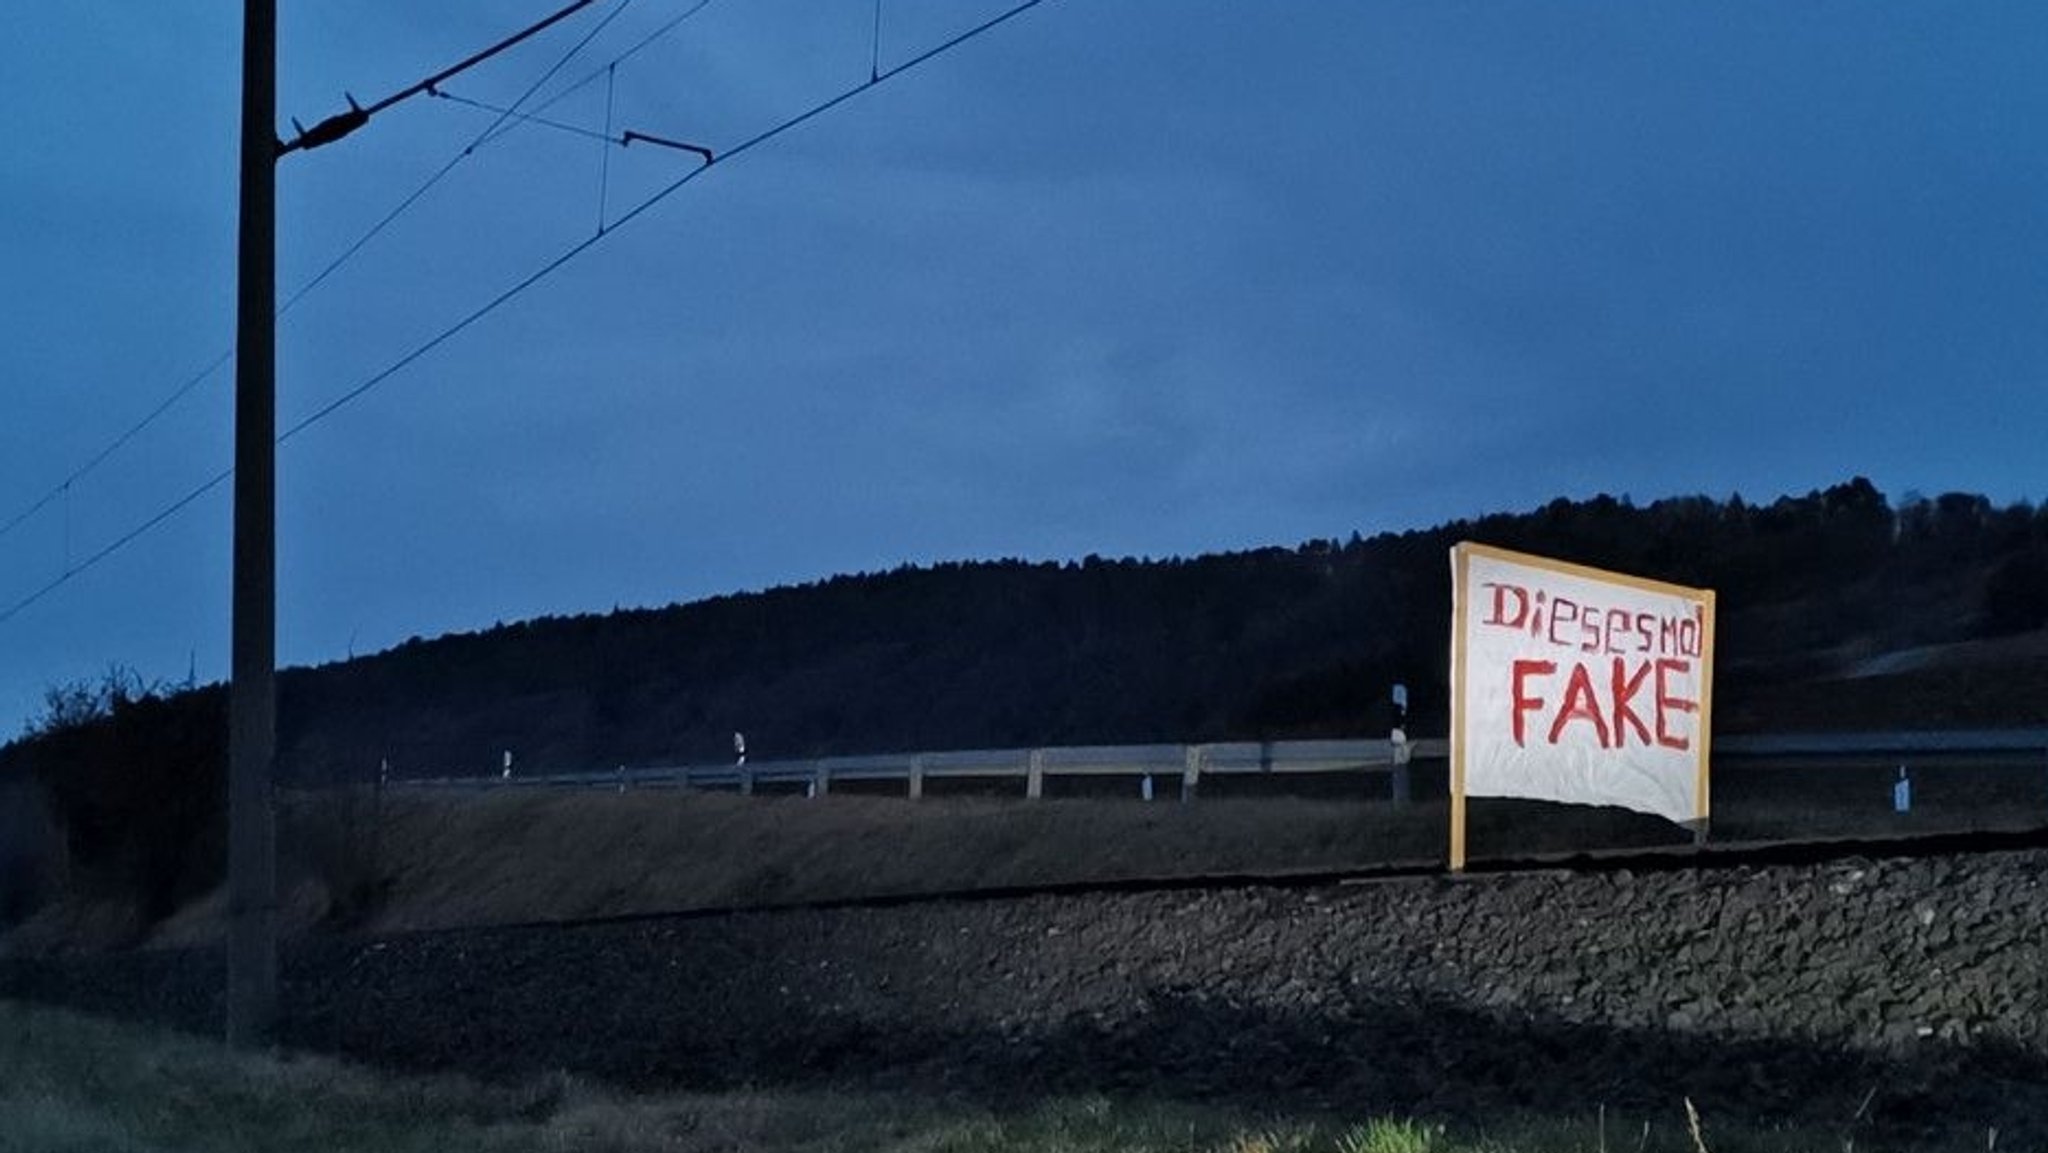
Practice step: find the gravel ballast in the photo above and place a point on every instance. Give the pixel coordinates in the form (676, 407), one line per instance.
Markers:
(1911, 990)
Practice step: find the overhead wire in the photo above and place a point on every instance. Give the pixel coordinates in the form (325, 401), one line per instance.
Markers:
(118, 543)
(63, 487)
(875, 45)
(639, 46)
(526, 117)
(662, 194)
(604, 175)
(623, 139)
(496, 130)
(520, 287)
(474, 59)
(481, 138)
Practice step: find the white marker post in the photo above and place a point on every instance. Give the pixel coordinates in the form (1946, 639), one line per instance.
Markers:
(1397, 739)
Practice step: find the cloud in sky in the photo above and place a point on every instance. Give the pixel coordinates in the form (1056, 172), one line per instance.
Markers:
(1125, 276)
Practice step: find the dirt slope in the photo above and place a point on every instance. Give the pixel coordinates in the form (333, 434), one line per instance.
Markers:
(415, 859)
(1758, 992)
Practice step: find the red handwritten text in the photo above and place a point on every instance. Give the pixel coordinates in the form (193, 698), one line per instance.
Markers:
(1590, 628)
(1636, 698)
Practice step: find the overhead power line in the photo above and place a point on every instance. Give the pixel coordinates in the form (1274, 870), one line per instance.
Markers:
(604, 174)
(623, 139)
(342, 123)
(486, 136)
(508, 118)
(875, 45)
(579, 248)
(638, 46)
(506, 113)
(77, 474)
(517, 289)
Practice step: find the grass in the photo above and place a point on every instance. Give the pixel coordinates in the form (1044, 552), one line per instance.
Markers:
(77, 1084)
(419, 859)
(427, 859)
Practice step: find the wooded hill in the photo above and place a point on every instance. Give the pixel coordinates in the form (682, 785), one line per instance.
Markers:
(1277, 642)
(1272, 643)
(1837, 610)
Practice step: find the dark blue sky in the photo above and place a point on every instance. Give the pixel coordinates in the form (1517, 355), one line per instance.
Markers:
(1121, 277)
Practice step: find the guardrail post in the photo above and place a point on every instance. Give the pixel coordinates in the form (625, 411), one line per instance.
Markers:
(1034, 776)
(1191, 775)
(1397, 741)
(746, 781)
(682, 778)
(821, 777)
(916, 778)
(622, 778)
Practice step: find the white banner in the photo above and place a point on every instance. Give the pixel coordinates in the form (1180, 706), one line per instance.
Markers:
(1573, 684)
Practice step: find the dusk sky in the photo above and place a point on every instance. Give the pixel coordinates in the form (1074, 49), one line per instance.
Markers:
(1119, 277)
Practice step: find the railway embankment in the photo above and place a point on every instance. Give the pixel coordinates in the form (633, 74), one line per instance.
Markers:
(1906, 994)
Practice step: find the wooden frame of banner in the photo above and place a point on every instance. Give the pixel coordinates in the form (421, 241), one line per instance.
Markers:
(1461, 554)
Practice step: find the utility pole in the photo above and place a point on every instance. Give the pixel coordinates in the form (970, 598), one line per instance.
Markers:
(252, 693)
(252, 697)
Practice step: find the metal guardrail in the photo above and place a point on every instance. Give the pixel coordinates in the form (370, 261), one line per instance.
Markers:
(1935, 742)
(1188, 764)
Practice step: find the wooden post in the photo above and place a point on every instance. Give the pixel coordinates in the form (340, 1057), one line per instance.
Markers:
(1458, 817)
(1191, 775)
(1034, 776)
(1704, 784)
(917, 778)
(1461, 560)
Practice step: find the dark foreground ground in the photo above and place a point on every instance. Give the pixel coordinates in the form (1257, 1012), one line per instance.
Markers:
(1910, 992)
